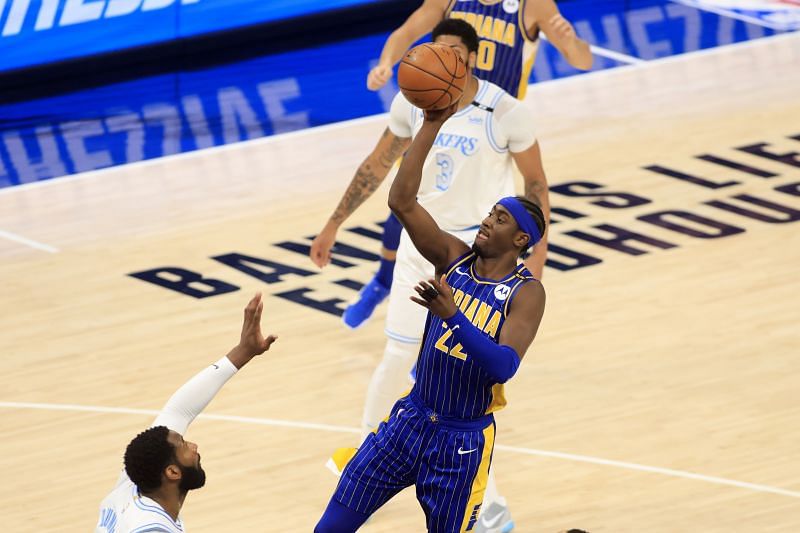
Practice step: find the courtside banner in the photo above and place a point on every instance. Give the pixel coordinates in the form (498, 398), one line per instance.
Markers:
(37, 32)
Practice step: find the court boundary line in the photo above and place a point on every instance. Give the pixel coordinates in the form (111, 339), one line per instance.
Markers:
(603, 52)
(721, 11)
(755, 487)
(761, 41)
(28, 242)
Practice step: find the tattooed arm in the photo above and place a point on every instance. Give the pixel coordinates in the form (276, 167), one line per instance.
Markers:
(530, 166)
(368, 177)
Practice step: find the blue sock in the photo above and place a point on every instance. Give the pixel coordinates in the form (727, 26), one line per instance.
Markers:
(339, 519)
(385, 273)
(390, 241)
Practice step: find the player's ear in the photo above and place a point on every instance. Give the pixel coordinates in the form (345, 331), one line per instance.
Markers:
(520, 239)
(472, 59)
(172, 472)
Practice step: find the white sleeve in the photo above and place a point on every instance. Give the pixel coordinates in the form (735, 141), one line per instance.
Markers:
(516, 123)
(193, 396)
(400, 117)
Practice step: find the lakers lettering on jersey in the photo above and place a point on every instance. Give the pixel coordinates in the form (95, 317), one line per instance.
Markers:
(447, 381)
(506, 52)
(470, 164)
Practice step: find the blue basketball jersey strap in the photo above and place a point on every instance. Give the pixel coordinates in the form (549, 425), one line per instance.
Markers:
(522, 276)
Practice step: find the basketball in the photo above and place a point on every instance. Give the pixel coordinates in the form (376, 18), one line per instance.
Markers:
(432, 76)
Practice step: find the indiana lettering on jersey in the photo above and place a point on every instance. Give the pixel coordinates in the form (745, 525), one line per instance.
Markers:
(467, 145)
(74, 12)
(490, 28)
(482, 315)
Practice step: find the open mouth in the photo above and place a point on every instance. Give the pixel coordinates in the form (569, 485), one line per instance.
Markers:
(482, 235)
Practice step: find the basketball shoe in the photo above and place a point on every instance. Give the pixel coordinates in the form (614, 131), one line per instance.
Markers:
(370, 296)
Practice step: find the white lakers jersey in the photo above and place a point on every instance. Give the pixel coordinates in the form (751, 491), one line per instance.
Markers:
(470, 166)
(124, 510)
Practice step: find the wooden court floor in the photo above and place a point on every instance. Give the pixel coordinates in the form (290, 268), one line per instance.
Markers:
(662, 394)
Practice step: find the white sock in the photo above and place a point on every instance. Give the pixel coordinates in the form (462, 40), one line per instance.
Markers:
(389, 381)
(492, 495)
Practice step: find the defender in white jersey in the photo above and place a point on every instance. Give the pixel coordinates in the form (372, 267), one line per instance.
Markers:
(160, 466)
(469, 167)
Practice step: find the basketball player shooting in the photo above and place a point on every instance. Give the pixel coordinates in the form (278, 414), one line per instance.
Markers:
(484, 309)
(471, 165)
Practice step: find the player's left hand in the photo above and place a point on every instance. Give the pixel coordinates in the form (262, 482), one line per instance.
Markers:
(437, 297)
(252, 339)
(561, 27)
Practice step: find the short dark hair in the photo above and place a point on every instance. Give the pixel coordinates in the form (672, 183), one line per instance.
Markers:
(538, 216)
(459, 28)
(146, 457)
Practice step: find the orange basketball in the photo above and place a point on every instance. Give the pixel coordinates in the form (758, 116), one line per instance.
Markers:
(432, 76)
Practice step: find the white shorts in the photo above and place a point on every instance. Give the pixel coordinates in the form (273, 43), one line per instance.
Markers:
(405, 320)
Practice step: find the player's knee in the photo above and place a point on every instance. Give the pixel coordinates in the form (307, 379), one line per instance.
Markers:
(400, 353)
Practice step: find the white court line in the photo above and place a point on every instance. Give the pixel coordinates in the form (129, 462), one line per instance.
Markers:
(344, 429)
(732, 14)
(28, 242)
(653, 469)
(605, 52)
(379, 117)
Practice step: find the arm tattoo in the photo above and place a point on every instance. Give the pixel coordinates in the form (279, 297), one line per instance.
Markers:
(535, 191)
(367, 180)
(363, 185)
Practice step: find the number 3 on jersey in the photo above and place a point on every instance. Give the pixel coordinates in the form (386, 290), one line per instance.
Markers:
(445, 175)
(455, 351)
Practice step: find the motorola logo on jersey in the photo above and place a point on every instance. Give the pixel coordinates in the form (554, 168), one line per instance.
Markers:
(501, 292)
(58, 13)
(467, 145)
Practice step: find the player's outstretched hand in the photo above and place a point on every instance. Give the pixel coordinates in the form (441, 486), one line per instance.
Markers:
(439, 116)
(320, 252)
(378, 77)
(437, 297)
(251, 341)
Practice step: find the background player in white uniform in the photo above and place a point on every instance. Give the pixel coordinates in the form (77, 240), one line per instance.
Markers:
(469, 167)
(160, 466)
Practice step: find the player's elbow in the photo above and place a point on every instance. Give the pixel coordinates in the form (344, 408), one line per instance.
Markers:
(399, 205)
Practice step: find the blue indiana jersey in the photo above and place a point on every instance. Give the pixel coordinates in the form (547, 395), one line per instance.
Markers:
(448, 382)
(506, 51)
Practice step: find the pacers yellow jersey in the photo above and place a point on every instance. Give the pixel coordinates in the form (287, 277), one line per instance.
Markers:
(448, 382)
(506, 51)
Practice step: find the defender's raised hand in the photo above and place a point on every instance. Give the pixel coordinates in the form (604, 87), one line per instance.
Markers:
(251, 341)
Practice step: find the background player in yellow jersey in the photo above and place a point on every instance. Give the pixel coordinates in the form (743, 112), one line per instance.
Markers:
(484, 311)
(509, 33)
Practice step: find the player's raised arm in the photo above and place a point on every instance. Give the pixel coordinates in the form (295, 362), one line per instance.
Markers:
(435, 245)
(418, 24)
(368, 177)
(194, 395)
